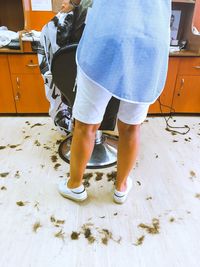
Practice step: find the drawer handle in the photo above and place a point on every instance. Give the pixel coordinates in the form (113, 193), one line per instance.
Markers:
(181, 87)
(18, 82)
(197, 67)
(32, 65)
(17, 97)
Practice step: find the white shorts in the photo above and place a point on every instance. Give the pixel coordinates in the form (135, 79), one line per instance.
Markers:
(91, 102)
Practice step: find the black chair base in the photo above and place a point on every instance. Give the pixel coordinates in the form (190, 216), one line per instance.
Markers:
(104, 154)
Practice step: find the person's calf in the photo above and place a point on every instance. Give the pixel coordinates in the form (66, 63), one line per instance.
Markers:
(81, 150)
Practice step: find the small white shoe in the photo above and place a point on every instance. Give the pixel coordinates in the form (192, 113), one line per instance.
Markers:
(120, 197)
(77, 194)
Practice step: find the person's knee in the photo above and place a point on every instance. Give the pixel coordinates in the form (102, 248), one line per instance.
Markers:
(129, 129)
(85, 129)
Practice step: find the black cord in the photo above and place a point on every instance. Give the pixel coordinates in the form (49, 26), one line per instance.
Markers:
(170, 128)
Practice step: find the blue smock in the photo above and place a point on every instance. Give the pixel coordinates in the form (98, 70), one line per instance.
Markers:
(125, 47)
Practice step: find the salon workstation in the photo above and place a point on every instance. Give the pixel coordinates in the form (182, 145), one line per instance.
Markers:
(157, 223)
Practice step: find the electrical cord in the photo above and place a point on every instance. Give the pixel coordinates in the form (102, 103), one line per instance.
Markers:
(170, 128)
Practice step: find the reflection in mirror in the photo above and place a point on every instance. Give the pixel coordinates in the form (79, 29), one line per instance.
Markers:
(196, 19)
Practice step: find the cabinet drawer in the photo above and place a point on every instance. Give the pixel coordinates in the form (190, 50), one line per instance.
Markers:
(189, 66)
(29, 93)
(24, 64)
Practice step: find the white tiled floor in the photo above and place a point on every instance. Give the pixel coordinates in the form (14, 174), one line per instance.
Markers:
(166, 187)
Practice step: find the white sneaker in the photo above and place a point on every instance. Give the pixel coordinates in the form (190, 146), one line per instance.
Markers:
(77, 194)
(120, 197)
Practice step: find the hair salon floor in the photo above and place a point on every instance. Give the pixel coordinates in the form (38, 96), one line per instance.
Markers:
(158, 226)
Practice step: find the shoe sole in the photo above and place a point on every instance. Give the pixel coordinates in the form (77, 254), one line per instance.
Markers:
(72, 198)
(118, 202)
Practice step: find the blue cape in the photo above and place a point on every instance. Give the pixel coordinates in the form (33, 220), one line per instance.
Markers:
(125, 47)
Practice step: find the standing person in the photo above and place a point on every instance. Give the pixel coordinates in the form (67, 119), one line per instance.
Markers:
(123, 53)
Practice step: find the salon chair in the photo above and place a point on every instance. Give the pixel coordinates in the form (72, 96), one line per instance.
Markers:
(64, 72)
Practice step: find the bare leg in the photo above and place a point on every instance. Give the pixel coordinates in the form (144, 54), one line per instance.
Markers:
(81, 150)
(127, 152)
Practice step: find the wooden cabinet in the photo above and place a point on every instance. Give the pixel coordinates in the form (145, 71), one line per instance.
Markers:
(26, 64)
(166, 97)
(182, 89)
(187, 94)
(29, 93)
(22, 87)
(7, 103)
(189, 66)
(28, 85)
(187, 90)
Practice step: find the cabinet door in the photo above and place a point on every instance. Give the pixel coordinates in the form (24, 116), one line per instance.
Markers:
(187, 94)
(29, 93)
(7, 104)
(167, 94)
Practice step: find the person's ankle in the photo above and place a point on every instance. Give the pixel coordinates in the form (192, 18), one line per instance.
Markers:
(121, 187)
(71, 184)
